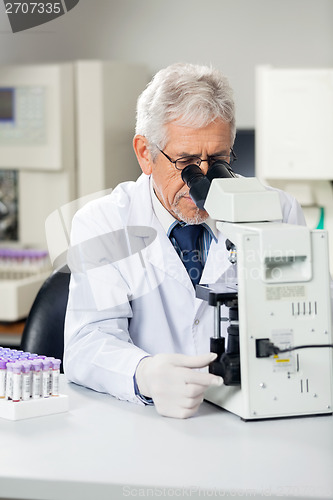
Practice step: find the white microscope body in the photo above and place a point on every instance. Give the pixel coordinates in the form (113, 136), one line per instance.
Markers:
(283, 294)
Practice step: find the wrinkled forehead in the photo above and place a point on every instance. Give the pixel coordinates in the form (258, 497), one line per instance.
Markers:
(215, 134)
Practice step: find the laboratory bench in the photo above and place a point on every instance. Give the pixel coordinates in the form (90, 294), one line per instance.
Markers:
(103, 448)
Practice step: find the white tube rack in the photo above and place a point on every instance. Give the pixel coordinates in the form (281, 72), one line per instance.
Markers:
(19, 410)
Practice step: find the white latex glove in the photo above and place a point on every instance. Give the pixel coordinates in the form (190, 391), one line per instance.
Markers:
(175, 387)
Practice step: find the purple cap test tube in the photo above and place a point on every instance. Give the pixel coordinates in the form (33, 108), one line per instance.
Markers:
(26, 380)
(36, 366)
(3, 371)
(46, 377)
(17, 371)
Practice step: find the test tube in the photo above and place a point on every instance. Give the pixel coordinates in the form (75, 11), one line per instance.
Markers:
(46, 363)
(9, 379)
(36, 378)
(55, 377)
(50, 359)
(26, 380)
(17, 381)
(3, 372)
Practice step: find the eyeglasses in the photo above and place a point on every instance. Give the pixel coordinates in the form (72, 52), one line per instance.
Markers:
(184, 161)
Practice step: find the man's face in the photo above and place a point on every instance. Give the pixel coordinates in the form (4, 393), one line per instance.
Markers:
(173, 193)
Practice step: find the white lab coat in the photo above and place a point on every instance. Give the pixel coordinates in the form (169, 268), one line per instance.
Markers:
(131, 296)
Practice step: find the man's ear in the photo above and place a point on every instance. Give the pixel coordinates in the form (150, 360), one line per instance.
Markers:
(140, 145)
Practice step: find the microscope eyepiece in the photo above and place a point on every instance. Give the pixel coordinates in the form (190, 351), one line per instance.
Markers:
(198, 183)
(192, 174)
(220, 170)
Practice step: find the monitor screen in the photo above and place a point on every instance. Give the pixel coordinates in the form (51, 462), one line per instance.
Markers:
(6, 104)
(244, 149)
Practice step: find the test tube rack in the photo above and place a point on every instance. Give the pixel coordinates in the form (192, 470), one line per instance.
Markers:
(11, 410)
(29, 385)
(22, 273)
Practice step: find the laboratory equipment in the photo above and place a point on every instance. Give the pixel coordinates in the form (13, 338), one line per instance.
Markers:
(293, 145)
(276, 299)
(65, 132)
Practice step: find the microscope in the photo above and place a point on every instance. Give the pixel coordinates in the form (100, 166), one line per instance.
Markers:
(276, 359)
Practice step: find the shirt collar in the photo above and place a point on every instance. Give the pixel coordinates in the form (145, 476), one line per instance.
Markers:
(167, 220)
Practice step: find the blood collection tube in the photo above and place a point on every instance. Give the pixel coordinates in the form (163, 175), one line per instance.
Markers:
(3, 372)
(50, 359)
(9, 379)
(46, 363)
(55, 377)
(17, 381)
(36, 378)
(26, 380)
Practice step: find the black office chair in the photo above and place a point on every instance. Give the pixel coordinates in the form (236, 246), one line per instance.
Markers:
(44, 329)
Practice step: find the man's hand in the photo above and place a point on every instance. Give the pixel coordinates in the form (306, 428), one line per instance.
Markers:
(175, 387)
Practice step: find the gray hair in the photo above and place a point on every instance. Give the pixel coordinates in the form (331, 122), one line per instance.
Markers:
(189, 94)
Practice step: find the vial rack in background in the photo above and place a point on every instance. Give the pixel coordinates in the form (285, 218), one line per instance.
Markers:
(29, 385)
(17, 263)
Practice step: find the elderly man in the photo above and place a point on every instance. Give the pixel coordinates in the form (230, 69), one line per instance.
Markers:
(134, 327)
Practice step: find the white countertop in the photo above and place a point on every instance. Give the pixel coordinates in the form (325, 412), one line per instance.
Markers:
(104, 449)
